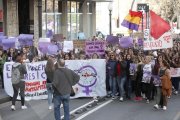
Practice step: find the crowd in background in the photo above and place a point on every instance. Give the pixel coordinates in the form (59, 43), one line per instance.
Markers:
(120, 79)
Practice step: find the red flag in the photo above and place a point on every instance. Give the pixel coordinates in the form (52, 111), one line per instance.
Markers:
(158, 25)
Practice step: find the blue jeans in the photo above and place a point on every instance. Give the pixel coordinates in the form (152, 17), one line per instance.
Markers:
(64, 99)
(50, 93)
(121, 82)
(175, 82)
(112, 83)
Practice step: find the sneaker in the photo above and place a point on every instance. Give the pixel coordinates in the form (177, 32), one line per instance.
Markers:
(50, 107)
(23, 107)
(164, 108)
(143, 96)
(175, 92)
(121, 99)
(113, 97)
(147, 101)
(95, 99)
(156, 106)
(13, 108)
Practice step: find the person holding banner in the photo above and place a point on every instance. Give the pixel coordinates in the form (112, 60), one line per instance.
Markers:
(11, 55)
(49, 70)
(2, 61)
(18, 83)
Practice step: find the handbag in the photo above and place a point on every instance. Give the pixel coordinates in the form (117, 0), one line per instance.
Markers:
(72, 90)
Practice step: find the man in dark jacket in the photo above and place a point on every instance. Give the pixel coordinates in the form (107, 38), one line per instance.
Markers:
(63, 81)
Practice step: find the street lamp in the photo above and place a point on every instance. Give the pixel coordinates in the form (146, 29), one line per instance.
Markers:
(110, 7)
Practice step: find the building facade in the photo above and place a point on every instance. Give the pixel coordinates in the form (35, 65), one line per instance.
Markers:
(38, 17)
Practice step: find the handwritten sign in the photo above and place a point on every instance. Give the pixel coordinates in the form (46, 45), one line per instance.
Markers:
(95, 47)
(79, 44)
(68, 46)
(165, 41)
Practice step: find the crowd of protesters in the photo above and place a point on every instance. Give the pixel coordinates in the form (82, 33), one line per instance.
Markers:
(137, 83)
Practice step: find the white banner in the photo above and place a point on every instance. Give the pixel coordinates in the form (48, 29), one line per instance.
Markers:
(165, 41)
(175, 72)
(35, 80)
(92, 78)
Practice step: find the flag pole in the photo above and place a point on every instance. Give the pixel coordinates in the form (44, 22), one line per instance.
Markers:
(131, 31)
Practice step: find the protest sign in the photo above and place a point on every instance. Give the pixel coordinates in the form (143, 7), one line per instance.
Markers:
(92, 78)
(95, 47)
(8, 43)
(126, 42)
(53, 49)
(165, 41)
(26, 39)
(58, 37)
(112, 39)
(79, 44)
(35, 80)
(68, 46)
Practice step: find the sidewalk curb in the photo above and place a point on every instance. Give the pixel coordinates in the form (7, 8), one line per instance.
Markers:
(5, 99)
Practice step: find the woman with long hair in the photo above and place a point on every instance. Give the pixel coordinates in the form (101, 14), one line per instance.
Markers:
(165, 76)
(18, 83)
(49, 70)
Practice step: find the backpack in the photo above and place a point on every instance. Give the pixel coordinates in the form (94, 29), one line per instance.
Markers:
(15, 75)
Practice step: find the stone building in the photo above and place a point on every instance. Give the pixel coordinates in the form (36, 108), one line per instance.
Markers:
(67, 17)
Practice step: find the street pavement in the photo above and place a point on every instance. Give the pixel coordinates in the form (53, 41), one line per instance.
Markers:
(86, 109)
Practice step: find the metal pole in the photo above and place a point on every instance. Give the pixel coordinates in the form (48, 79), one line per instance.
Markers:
(110, 26)
(40, 17)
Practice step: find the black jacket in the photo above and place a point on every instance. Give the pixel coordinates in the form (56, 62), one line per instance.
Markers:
(63, 80)
(123, 66)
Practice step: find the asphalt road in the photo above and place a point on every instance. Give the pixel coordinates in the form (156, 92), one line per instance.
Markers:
(105, 110)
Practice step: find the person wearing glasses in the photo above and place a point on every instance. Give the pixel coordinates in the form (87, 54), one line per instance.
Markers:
(111, 71)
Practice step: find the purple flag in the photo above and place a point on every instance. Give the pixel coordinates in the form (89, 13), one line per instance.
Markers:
(8, 43)
(126, 42)
(26, 39)
(112, 39)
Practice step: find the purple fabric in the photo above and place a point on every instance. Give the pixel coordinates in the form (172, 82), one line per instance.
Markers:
(1, 33)
(130, 25)
(53, 49)
(112, 39)
(26, 39)
(140, 42)
(8, 43)
(49, 34)
(1, 38)
(43, 47)
(126, 42)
